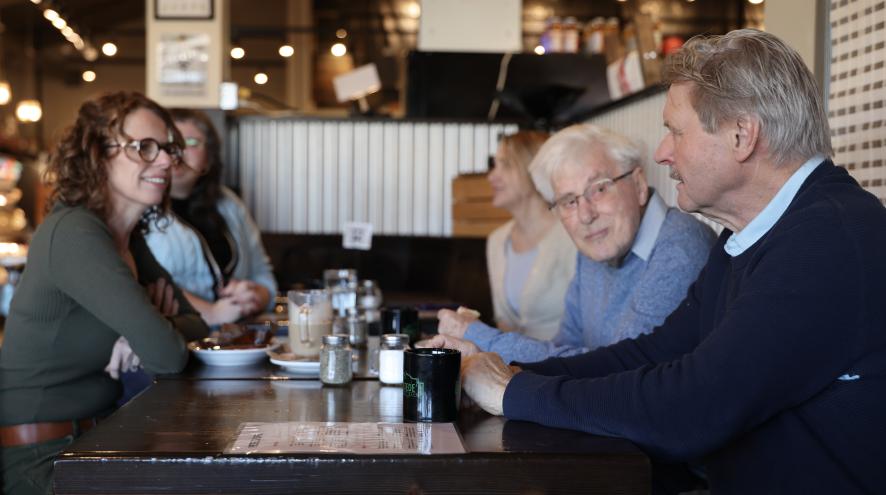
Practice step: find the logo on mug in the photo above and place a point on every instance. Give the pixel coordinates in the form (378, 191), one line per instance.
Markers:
(412, 387)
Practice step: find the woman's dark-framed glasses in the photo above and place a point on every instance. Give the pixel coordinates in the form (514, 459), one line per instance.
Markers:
(148, 149)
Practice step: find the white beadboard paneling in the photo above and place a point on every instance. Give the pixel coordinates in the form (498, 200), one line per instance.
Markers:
(345, 196)
(330, 201)
(405, 172)
(315, 177)
(360, 213)
(421, 179)
(375, 170)
(299, 176)
(436, 176)
(391, 177)
(458, 148)
(264, 166)
(312, 175)
(283, 179)
(465, 138)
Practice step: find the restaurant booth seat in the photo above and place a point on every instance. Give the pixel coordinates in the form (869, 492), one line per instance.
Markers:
(424, 271)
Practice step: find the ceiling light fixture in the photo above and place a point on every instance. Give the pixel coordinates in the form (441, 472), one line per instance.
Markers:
(5, 92)
(260, 78)
(286, 51)
(237, 53)
(109, 49)
(338, 49)
(50, 15)
(341, 33)
(88, 75)
(28, 111)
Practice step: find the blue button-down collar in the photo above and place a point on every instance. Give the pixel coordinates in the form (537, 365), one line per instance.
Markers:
(653, 218)
(738, 242)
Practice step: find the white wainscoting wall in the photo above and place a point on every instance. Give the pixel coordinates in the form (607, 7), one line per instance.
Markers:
(313, 175)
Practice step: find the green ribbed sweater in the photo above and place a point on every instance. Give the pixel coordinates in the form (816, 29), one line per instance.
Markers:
(75, 298)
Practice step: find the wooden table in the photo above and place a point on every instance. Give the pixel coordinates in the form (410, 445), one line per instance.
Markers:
(171, 439)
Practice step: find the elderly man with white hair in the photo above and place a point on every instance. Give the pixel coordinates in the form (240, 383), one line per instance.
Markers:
(636, 257)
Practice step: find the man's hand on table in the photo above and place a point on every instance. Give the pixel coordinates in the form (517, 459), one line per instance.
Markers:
(455, 323)
(485, 377)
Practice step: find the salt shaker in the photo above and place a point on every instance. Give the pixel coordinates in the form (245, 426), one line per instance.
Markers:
(390, 358)
(335, 360)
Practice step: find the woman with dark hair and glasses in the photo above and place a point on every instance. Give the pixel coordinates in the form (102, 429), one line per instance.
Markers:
(212, 247)
(90, 279)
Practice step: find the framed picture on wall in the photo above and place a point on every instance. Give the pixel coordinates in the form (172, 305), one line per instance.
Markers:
(191, 10)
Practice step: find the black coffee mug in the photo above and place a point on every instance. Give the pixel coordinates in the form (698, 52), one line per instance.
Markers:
(431, 385)
(401, 319)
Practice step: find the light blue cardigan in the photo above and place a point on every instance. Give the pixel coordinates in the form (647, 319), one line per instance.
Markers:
(178, 249)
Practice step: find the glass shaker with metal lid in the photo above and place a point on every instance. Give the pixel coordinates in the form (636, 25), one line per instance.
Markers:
(335, 360)
(390, 358)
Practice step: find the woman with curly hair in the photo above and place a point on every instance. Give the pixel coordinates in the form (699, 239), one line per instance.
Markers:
(212, 248)
(89, 280)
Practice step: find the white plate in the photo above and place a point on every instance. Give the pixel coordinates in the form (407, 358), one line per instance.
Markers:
(282, 356)
(229, 357)
(301, 366)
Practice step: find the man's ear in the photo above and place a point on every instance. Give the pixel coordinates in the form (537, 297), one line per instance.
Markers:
(745, 136)
(639, 178)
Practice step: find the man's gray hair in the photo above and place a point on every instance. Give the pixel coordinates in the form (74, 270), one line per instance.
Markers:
(575, 146)
(750, 72)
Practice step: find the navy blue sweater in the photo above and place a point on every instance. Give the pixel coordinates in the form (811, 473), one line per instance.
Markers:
(772, 371)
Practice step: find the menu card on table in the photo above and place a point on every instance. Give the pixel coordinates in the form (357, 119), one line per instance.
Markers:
(352, 438)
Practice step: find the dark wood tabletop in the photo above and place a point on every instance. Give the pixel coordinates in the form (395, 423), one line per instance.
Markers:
(171, 439)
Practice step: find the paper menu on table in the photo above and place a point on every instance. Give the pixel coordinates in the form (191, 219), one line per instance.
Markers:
(351, 438)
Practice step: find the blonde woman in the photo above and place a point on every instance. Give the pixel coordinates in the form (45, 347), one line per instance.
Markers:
(530, 259)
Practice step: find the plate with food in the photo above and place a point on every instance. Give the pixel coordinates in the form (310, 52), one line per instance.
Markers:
(282, 356)
(233, 345)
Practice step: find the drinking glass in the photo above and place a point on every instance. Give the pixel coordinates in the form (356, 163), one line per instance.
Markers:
(342, 284)
(310, 318)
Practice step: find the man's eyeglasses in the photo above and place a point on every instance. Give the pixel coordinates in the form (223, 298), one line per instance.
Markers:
(594, 193)
(147, 149)
(192, 142)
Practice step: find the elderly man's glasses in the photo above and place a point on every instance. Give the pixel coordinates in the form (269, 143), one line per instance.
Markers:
(147, 149)
(594, 193)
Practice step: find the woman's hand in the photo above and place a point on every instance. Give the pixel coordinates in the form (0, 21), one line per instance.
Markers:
(162, 296)
(225, 310)
(250, 296)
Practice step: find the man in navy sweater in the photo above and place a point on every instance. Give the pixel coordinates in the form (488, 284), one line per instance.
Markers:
(771, 373)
